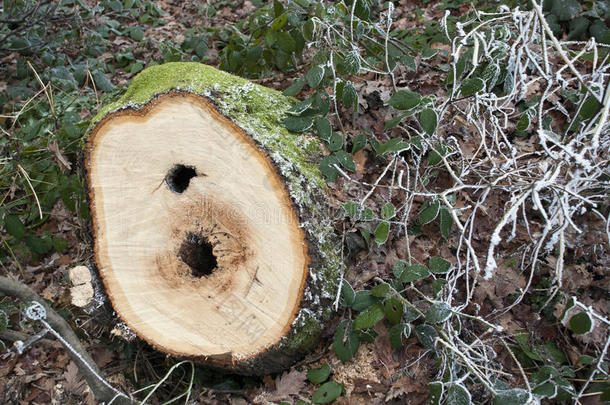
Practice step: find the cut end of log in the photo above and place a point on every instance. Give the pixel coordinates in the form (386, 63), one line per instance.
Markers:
(199, 235)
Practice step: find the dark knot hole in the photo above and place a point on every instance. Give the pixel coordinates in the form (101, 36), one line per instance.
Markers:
(179, 177)
(197, 253)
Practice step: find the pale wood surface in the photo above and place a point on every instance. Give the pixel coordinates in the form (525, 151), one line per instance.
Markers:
(237, 201)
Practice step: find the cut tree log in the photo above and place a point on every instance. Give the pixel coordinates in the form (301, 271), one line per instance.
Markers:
(212, 234)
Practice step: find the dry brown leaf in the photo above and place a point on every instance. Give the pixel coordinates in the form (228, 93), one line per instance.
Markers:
(289, 383)
(74, 383)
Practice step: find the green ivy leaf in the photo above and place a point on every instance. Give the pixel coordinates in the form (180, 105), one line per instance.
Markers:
(428, 120)
(436, 392)
(362, 300)
(387, 211)
(381, 232)
(446, 222)
(327, 393)
(295, 88)
(429, 213)
(438, 265)
(102, 82)
(300, 108)
(14, 226)
(369, 318)
(318, 375)
(426, 335)
(298, 124)
(314, 76)
(347, 293)
(472, 86)
(581, 323)
(404, 100)
(514, 396)
(358, 143)
(414, 273)
(393, 309)
(397, 332)
(346, 342)
(438, 313)
(457, 394)
(345, 160)
(323, 128)
(327, 168)
(349, 96)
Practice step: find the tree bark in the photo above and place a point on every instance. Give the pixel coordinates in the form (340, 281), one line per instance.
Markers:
(212, 234)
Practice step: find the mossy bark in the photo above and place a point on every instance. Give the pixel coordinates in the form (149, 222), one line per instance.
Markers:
(258, 111)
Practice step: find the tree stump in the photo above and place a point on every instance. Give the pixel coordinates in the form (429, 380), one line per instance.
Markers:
(212, 235)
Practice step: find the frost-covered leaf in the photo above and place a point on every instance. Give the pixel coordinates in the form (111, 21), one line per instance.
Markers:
(351, 63)
(438, 265)
(345, 160)
(438, 313)
(298, 124)
(429, 213)
(414, 273)
(295, 88)
(446, 222)
(327, 168)
(301, 107)
(349, 97)
(335, 142)
(352, 210)
(426, 335)
(380, 290)
(472, 86)
(323, 128)
(436, 392)
(457, 394)
(514, 396)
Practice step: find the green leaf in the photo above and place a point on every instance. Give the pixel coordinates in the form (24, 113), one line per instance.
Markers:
(298, 124)
(393, 145)
(429, 213)
(380, 290)
(414, 273)
(581, 323)
(399, 267)
(514, 396)
(369, 318)
(295, 88)
(38, 245)
(381, 232)
(136, 33)
(362, 300)
(564, 10)
(589, 108)
(404, 100)
(490, 75)
(327, 168)
(547, 389)
(457, 394)
(102, 82)
(349, 97)
(335, 142)
(351, 63)
(358, 143)
(309, 29)
(585, 359)
(396, 333)
(387, 211)
(345, 160)
(426, 335)
(319, 375)
(346, 342)
(524, 122)
(436, 392)
(367, 214)
(327, 393)
(578, 28)
(438, 265)
(438, 313)
(14, 226)
(347, 293)
(472, 86)
(300, 108)
(393, 309)
(314, 76)
(428, 120)
(323, 128)
(286, 42)
(3, 320)
(435, 155)
(352, 210)
(446, 222)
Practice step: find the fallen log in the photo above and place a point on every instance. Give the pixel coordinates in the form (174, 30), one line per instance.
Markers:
(212, 235)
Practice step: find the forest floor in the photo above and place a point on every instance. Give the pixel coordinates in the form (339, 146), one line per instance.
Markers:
(379, 373)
